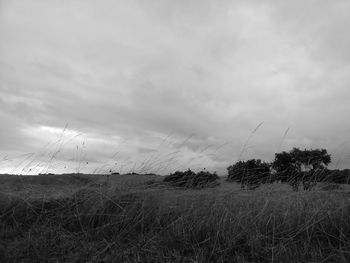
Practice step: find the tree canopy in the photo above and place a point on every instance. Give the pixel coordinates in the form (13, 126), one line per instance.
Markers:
(298, 160)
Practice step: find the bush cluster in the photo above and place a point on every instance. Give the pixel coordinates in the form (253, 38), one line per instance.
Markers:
(296, 167)
(190, 179)
(251, 173)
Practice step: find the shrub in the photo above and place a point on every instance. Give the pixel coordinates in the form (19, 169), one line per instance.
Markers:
(190, 179)
(251, 173)
(301, 166)
(205, 178)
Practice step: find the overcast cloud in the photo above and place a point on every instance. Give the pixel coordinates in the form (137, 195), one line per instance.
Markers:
(161, 85)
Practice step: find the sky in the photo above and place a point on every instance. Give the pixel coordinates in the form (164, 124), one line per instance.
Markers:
(164, 85)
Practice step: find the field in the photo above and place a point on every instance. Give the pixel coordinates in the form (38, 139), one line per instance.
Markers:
(138, 218)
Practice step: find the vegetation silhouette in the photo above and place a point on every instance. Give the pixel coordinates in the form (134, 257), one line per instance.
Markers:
(249, 173)
(296, 167)
(190, 179)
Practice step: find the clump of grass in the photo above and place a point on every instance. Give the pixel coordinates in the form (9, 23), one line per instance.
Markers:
(190, 179)
(329, 187)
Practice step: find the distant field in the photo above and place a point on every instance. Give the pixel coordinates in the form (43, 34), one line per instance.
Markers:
(137, 218)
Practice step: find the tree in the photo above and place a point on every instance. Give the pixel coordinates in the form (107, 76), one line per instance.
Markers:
(251, 172)
(284, 163)
(300, 166)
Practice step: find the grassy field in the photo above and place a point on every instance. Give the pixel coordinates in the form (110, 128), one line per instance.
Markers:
(137, 218)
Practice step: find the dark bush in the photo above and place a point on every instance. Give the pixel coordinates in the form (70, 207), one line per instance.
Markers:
(205, 178)
(180, 179)
(301, 166)
(190, 179)
(249, 173)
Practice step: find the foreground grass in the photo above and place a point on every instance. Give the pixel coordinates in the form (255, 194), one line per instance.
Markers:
(137, 219)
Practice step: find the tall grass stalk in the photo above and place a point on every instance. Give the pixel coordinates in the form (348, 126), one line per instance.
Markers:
(248, 140)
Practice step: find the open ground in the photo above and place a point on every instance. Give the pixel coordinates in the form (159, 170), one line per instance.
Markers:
(139, 218)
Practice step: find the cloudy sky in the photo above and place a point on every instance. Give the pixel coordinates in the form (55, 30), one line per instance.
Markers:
(154, 86)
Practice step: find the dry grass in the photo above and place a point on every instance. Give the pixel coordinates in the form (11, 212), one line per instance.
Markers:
(135, 218)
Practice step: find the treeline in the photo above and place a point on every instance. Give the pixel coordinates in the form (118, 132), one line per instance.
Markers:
(296, 167)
